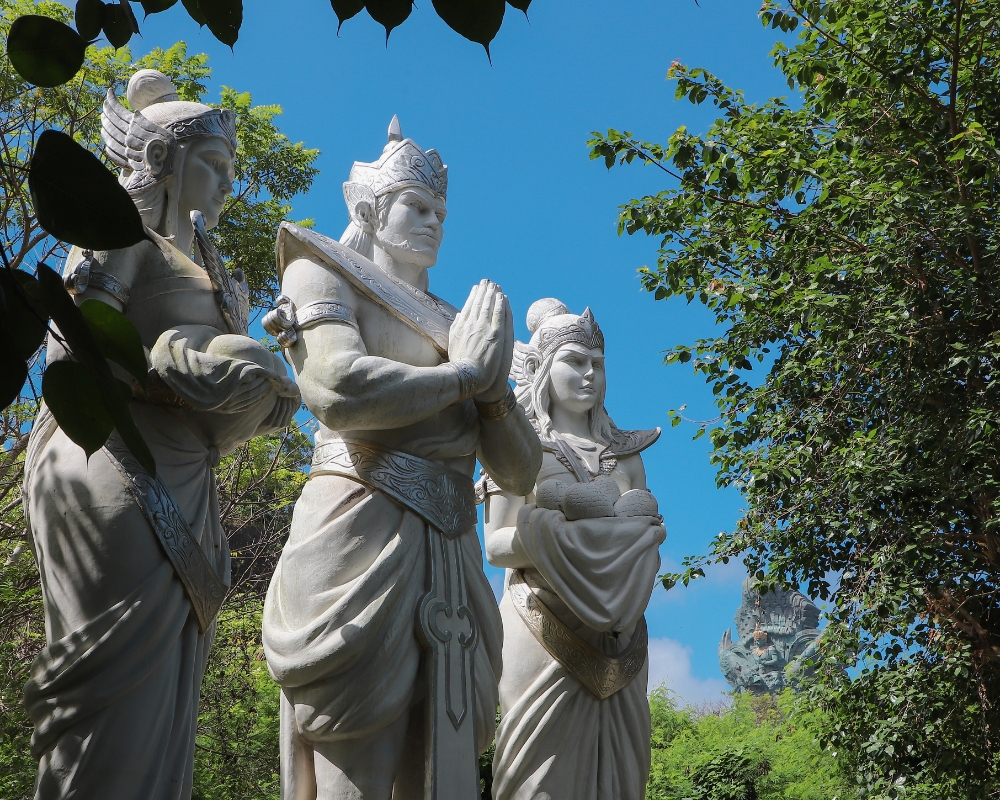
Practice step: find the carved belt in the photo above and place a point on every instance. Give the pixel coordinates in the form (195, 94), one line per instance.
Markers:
(443, 498)
(601, 674)
(202, 584)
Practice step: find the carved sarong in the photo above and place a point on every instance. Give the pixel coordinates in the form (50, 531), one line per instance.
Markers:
(602, 675)
(446, 501)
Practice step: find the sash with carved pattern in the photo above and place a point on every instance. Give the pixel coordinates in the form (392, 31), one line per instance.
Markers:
(602, 675)
(443, 498)
(428, 315)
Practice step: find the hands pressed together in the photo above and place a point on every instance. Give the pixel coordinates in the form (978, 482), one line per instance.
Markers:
(482, 337)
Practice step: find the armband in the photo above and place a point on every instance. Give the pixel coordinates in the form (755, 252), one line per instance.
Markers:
(83, 276)
(284, 321)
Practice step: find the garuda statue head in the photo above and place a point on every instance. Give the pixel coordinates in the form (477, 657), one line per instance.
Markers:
(151, 142)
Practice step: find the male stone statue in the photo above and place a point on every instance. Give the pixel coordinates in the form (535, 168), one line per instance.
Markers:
(379, 623)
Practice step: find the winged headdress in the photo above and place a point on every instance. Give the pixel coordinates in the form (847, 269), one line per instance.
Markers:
(159, 114)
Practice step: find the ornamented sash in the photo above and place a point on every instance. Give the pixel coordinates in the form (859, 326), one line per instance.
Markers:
(601, 674)
(202, 584)
(443, 498)
(428, 315)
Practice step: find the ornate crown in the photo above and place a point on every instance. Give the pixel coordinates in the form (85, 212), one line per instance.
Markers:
(126, 133)
(567, 328)
(219, 122)
(402, 163)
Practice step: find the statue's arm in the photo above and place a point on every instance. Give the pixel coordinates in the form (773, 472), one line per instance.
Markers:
(635, 470)
(503, 544)
(341, 384)
(510, 451)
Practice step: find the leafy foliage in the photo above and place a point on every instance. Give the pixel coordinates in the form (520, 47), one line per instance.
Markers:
(757, 748)
(48, 52)
(846, 245)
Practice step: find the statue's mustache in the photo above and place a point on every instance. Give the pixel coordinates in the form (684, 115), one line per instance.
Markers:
(425, 231)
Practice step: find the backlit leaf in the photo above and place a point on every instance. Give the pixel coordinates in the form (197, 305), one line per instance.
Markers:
(73, 395)
(77, 199)
(389, 13)
(476, 21)
(116, 337)
(44, 51)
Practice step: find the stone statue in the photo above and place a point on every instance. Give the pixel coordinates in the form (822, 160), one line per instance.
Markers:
(777, 630)
(581, 552)
(134, 568)
(379, 623)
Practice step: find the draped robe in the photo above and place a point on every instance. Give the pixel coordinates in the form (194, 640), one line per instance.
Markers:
(114, 695)
(556, 740)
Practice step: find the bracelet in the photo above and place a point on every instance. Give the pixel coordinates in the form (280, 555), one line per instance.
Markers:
(466, 372)
(500, 409)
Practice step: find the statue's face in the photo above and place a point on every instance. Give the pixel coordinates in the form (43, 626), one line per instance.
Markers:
(207, 179)
(576, 378)
(413, 227)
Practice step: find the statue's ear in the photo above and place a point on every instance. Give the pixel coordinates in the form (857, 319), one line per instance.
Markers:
(361, 206)
(154, 156)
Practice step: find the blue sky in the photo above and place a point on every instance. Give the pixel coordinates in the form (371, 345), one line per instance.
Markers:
(527, 208)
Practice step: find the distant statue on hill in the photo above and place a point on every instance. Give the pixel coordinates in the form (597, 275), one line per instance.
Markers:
(776, 629)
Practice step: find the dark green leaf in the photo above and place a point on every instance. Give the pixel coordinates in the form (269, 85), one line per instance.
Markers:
(521, 5)
(24, 327)
(156, 6)
(117, 25)
(116, 337)
(193, 8)
(77, 333)
(77, 199)
(44, 51)
(345, 9)
(13, 374)
(224, 18)
(89, 18)
(478, 22)
(389, 13)
(73, 395)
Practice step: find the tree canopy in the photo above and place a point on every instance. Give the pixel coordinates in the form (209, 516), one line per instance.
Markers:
(845, 241)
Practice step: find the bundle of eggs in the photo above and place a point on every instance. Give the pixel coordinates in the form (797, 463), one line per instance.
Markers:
(598, 498)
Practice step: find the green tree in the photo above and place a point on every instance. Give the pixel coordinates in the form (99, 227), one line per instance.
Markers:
(846, 243)
(757, 748)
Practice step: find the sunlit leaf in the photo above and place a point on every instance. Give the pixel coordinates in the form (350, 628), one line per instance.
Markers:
(44, 51)
(77, 199)
(73, 395)
(116, 337)
(75, 329)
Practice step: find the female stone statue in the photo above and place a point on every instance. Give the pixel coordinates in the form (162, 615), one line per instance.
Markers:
(581, 562)
(133, 567)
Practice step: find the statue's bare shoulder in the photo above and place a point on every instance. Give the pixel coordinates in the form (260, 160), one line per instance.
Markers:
(307, 280)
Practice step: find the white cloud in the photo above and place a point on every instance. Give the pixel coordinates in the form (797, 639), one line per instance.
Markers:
(670, 663)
